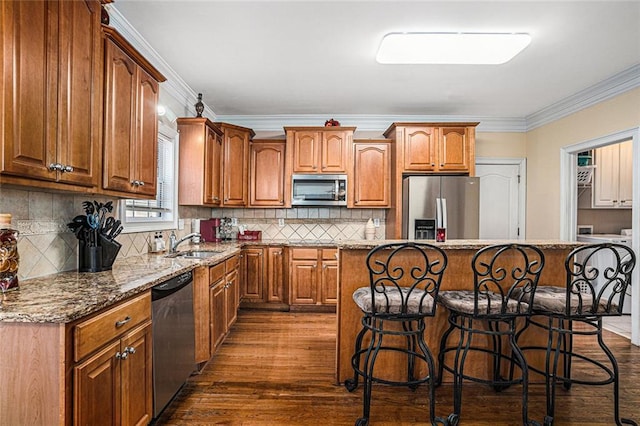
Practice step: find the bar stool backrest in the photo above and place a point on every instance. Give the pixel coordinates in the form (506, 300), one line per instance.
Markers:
(405, 279)
(598, 277)
(505, 277)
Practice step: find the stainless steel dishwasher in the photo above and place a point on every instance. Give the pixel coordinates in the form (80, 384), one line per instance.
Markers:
(173, 338)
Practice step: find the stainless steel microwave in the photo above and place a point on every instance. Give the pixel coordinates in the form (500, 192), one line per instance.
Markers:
(319, 190)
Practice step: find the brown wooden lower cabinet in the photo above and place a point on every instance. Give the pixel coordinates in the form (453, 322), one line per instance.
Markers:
(313, 276)
(263, 283)
(215, 304)
(96, 370)
(113, 373)
(224, 298)
(114, 385)
(218, 315)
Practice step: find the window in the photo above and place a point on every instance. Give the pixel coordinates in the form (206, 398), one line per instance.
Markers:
(161, 213)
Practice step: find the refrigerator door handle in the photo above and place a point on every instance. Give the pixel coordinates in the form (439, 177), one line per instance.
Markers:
(438, 213)
(444, 212)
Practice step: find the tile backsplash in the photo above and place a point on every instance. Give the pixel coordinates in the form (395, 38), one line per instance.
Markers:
(46, 246)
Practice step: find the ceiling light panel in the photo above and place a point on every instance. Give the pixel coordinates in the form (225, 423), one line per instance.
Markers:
(451, 48)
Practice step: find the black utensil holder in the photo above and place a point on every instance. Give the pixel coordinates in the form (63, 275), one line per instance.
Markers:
(97, 258)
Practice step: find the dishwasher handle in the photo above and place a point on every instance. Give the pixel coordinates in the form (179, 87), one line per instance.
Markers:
(171, 286)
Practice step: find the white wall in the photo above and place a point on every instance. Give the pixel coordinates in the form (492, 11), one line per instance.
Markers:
(543, 155)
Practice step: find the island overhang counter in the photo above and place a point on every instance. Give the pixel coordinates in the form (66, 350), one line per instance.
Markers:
(458, 276)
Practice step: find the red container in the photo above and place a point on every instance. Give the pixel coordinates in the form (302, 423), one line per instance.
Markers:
(250, 235)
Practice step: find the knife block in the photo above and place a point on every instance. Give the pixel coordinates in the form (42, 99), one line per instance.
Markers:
(89, 258)
(98, 258)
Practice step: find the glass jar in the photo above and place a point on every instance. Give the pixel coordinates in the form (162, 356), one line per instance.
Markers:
(9, 258)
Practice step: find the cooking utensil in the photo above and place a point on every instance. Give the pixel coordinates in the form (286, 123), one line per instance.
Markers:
(114, 229)
(117, 232)
(108, 226)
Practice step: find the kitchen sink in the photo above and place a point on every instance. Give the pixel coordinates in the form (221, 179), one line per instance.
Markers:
(196, 254)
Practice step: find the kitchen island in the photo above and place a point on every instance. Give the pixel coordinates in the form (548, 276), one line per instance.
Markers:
(458, 276)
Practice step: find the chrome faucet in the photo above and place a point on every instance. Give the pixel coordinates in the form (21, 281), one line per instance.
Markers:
(174, 242)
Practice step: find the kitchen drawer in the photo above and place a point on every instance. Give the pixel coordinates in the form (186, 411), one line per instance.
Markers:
(232, 263)
(304, 253)
(93, 333)
(216, 272)
(329, 254)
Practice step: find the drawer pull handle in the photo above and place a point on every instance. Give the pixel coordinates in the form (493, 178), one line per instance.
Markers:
(123, 322)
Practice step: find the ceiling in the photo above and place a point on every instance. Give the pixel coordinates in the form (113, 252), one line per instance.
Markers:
(312, 57)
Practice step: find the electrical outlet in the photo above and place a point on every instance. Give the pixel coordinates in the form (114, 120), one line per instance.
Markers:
(281, 222)
(376, 222)
(234, 221)
(180, 224)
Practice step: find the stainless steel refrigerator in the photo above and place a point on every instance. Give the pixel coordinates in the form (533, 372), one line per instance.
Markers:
(430, 202)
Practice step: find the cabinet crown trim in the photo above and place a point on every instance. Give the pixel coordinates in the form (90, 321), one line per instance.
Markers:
(443, 124)
(123, 44)
(319, 128)
(199, 120)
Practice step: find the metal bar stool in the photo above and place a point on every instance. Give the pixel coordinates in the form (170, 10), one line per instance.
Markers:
(503, 275)
(589, 294)
(404, 280)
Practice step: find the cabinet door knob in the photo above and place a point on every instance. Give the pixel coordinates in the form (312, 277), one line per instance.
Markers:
(433, 164)
(56, 167)
(122, 355)
(141, 183)
(130, 350)
(67, 169)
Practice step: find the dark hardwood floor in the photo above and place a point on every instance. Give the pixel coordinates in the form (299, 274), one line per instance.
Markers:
(277, 368)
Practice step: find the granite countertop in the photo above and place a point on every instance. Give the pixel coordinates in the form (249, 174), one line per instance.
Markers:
(459, 244)
(64, 297)
(67, 296)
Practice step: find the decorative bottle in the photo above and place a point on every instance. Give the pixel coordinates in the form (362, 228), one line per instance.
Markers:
(9, 258)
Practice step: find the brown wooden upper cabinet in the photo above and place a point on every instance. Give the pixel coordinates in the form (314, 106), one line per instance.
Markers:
(434, 147)
(319, 149)
(131, 87)
(200, 162)
(370, 181)
(266, 173)
(235, 164)
(52, 94)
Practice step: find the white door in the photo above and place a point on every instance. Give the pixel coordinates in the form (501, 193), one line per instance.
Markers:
(499, 201)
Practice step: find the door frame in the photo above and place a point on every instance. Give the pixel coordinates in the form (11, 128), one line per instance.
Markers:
(569, 205)
(522, 186)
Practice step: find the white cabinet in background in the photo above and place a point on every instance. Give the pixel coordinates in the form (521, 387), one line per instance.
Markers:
(613, 176)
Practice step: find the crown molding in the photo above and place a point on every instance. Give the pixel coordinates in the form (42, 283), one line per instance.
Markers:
(175, 86)
(615, 85)
(368, 122)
